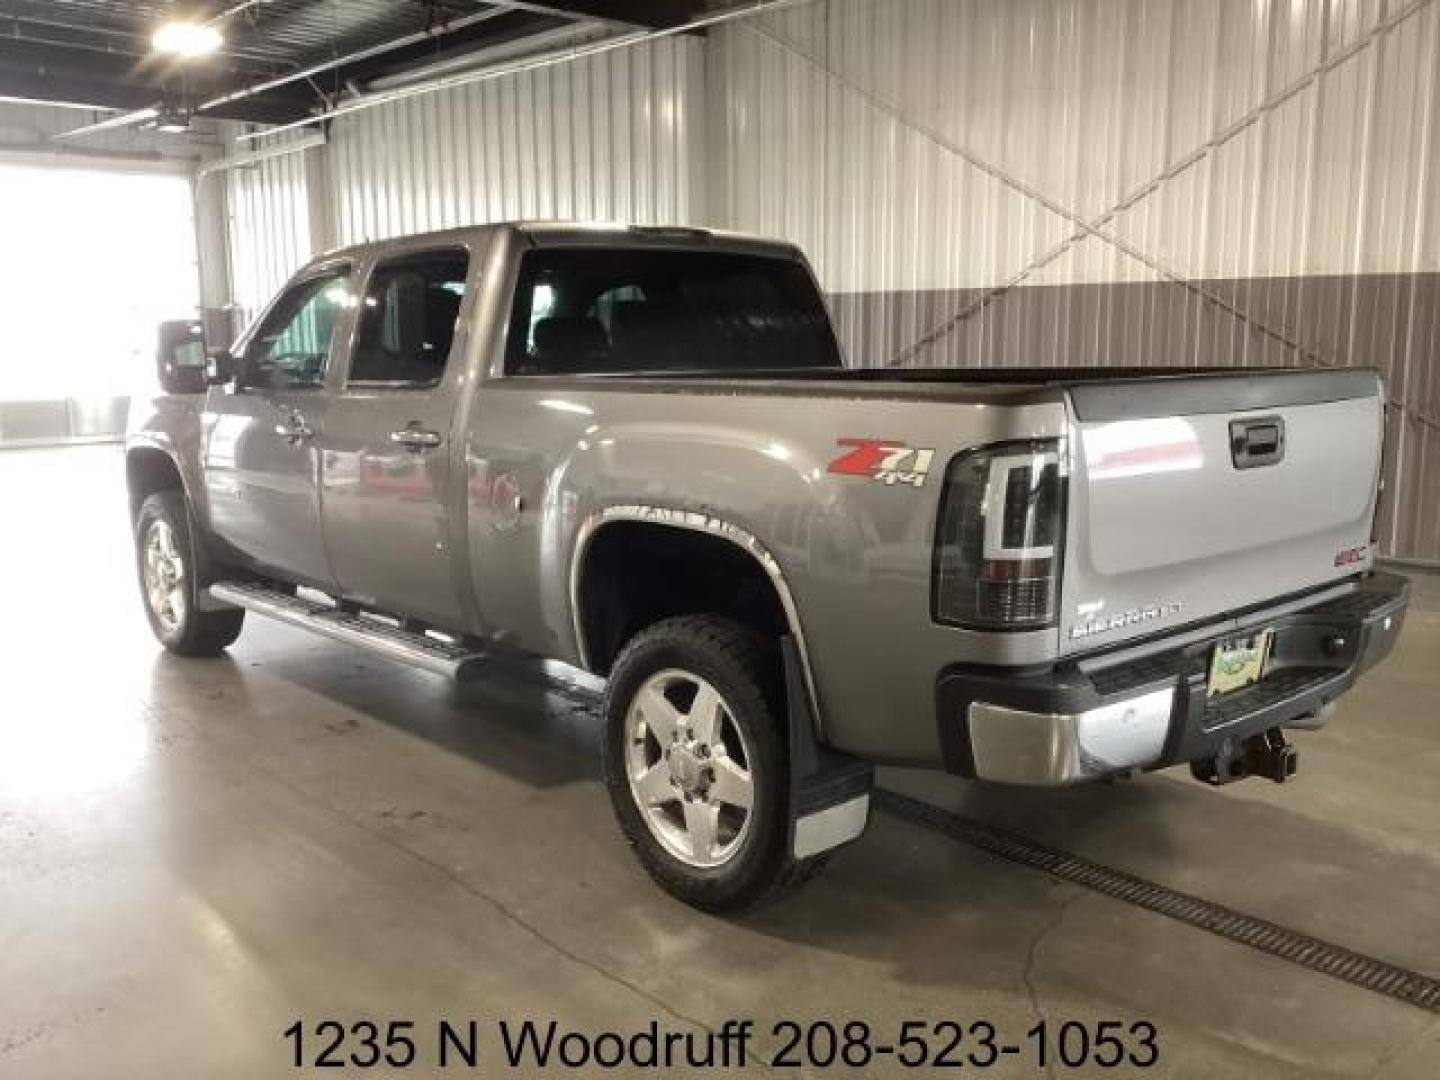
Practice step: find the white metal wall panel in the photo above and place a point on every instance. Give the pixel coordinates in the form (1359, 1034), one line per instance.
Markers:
(1086, 102)
(611, 137)
(984, 182)
(268, 212)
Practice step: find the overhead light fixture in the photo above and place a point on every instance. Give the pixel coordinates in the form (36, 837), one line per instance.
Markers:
(170, 120)
(182, 38)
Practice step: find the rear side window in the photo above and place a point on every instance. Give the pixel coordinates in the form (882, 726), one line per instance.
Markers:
(407, 319)
(601, 310)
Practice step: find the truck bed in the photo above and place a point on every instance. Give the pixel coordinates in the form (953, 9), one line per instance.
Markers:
(1019, 376)
(1095, 393)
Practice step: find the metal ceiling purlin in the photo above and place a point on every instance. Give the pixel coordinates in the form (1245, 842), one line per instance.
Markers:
(301, 32)
(441, 27)
(271, 35)
(361, 54)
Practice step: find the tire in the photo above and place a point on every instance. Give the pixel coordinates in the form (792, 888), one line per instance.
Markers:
(171, 572)
(665, 802)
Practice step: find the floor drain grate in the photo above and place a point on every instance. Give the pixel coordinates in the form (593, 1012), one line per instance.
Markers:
(1360, 970)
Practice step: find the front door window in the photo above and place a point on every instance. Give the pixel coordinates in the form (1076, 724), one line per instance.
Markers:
(291, 351)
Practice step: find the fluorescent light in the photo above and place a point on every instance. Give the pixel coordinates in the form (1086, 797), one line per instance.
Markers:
(187, 38)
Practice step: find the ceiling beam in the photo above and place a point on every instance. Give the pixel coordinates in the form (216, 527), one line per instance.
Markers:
(651, 14)
(568, 54)
(49, 57)
(115, 82)
(467, 32)
(93, 94)
(25, 27)
(502, 29)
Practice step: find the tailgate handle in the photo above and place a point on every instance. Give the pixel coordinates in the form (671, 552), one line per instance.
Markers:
(1257, 442)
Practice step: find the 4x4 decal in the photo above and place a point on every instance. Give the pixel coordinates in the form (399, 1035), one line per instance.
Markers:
(885, 460)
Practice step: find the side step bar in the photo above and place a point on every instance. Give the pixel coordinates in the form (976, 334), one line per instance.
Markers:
(407, 646)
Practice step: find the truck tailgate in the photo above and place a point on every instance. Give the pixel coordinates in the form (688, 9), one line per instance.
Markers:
(1195, 496)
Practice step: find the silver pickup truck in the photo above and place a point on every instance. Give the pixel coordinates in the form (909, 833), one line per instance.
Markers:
(637, 451)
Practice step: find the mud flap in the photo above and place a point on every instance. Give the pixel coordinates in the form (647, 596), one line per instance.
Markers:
(829, 791)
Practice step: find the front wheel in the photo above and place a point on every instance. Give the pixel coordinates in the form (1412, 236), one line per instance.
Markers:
(695, 762)
(170, 581)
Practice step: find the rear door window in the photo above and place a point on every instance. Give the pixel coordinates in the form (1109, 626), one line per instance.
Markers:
(408, 317)
(596, 311)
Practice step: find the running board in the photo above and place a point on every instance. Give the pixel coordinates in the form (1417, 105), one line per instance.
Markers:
(407, 646)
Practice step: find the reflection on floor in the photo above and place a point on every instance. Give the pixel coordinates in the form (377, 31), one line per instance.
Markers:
(193, 855)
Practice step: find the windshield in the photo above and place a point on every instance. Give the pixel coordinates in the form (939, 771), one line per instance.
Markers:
(602, 310)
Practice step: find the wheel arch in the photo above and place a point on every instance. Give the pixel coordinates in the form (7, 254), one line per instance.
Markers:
(600, 631)
(149, 469)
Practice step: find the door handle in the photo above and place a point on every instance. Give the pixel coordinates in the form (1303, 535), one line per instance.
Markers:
(295, 428)
(415, 437)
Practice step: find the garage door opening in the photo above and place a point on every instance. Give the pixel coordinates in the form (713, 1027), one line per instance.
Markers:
(92, 260)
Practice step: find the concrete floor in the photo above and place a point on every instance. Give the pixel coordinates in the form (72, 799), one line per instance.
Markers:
(194, 854)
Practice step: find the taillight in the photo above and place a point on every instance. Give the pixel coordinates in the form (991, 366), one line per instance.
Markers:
(998, 544)
(1379, 510)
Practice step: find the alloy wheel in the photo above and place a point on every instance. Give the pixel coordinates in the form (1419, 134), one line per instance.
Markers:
(164, 576)
(688, 763)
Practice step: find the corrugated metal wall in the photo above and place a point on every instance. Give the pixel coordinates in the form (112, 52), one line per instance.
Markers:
(1177, 182)
(605, 138)
(983, 182)
(268, 205)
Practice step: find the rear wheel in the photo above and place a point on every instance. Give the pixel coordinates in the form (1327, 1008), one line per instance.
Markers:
(170, 581)
(695, 762)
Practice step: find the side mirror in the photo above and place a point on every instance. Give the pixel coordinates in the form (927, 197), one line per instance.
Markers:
(220, 367)
(180, 358)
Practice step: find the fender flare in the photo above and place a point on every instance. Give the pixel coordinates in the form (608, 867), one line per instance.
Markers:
(201, 537)
(151, 445)
(695, 521)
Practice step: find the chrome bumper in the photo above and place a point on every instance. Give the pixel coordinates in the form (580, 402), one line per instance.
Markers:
(1097, 716)
(1013, 746)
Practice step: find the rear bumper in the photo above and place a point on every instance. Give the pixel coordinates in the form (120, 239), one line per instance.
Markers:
(1103, 715)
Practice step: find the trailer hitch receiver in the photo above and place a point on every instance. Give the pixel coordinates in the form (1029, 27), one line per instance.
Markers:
(1267, 755)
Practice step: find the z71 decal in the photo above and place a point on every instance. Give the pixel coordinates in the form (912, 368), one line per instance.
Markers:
(884, 460)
